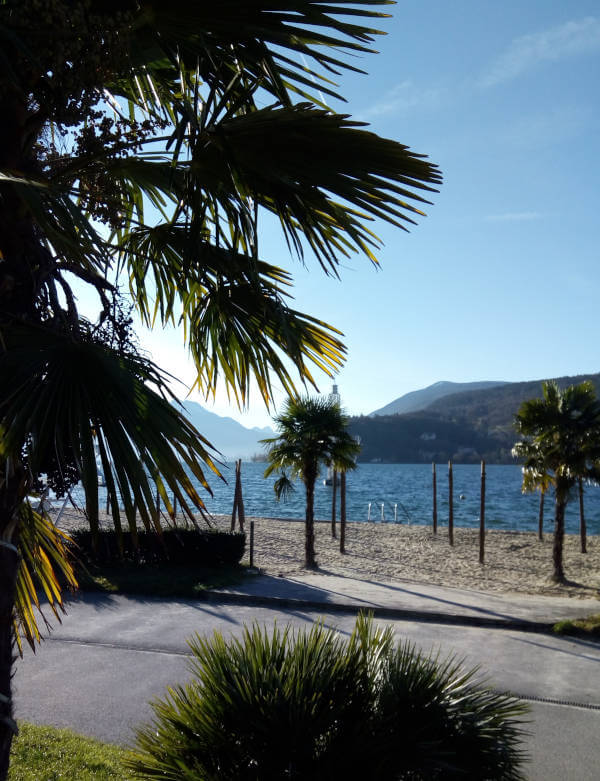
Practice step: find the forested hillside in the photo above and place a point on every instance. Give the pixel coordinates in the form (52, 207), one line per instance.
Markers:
(464, 427)
(422, 437)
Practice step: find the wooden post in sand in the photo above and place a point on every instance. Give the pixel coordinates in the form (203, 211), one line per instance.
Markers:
(541, 516)
(333, 507)
(238, 500)
(582, 526)
(342, 512)
(234, 508)
(450, 505)
(434, 499)
(482, 516)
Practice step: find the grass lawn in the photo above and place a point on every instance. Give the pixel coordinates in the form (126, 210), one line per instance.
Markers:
(580, 627)
(49, 754)
(164, 580)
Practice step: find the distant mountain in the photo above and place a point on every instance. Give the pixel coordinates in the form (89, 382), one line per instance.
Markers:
(466, 426)
(227, 435)
(493, 409)
(421, 399)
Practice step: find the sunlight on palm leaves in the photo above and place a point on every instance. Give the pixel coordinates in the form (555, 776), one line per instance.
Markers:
(135, 155)
(46, 563)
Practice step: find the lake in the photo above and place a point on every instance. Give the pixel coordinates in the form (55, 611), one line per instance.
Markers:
(403, 493)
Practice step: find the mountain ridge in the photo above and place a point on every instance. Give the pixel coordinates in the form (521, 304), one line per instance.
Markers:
(421, 399)
(231, 439)
(466, 426)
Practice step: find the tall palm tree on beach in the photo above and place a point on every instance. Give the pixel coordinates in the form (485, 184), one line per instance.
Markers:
(141, 143)
(310, 432)
(560, 445)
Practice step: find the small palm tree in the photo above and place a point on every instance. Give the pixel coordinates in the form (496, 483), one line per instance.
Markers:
(311, 431)
(309, 704)
(561, 444)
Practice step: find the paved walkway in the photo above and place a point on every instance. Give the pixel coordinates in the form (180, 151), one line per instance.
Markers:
(122, 652)
(406, 600)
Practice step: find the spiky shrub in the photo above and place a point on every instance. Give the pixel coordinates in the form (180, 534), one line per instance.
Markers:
(310, 705)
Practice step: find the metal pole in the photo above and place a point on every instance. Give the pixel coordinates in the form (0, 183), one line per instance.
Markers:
(251, 543)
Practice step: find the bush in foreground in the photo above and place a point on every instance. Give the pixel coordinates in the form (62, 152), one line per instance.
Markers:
(311, 705)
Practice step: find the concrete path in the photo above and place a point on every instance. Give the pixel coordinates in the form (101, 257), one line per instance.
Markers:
(406, 600)
(113, 654)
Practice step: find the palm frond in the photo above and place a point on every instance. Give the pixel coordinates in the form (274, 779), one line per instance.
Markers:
(62, 395)
(283, 487)
(271, 42)
(326, 178)
(46, 564)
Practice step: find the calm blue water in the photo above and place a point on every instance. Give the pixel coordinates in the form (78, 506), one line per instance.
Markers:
(405, 491)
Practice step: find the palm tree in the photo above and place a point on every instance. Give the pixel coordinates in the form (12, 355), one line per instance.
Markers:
(140, 145)
(310, 432)
(311, 704)
(561, 445)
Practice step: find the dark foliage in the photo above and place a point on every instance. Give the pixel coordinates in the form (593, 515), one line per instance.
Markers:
(313, 706)
(176, 546)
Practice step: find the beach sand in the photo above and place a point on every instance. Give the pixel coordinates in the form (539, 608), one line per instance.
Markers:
(514, 561)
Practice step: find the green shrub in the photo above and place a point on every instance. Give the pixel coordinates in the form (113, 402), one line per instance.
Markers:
(311, 705)
(579, 627)
(177, 546)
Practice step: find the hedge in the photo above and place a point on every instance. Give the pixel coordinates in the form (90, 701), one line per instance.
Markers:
(176, 546)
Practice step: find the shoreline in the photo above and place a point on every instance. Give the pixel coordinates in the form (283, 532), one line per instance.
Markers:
(515, 561)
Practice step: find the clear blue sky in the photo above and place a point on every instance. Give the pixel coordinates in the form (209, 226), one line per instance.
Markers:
(501, 280)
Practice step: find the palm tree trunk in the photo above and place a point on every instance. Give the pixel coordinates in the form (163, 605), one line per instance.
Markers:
(9, 564)
(541, 517)
(560, 502)
(310, 478)
(12, 491)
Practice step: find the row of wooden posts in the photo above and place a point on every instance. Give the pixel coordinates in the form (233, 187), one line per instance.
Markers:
(239, 514)
(451, 508)
(582, 523)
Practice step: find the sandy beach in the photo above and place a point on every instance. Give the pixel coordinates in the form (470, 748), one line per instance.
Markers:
(514, 561)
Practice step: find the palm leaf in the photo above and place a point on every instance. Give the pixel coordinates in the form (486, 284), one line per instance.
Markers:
(271, 42)
(46, 564)
(60, 394)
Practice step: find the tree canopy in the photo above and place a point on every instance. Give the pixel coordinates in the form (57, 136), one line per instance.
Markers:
(560, 445)
(310, 432)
